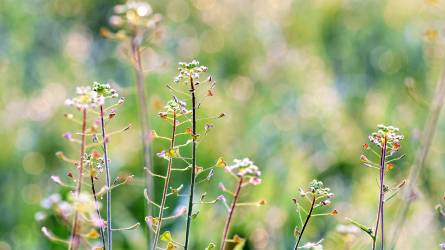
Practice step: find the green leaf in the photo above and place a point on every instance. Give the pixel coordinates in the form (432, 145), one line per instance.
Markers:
(166, 236)
(239, 245)
(364, 228)
(210, 246)
(195, 215)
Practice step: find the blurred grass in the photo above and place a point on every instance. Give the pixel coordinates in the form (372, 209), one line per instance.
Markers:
(302, 83)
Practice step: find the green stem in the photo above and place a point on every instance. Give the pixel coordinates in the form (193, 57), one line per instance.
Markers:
(166, 183)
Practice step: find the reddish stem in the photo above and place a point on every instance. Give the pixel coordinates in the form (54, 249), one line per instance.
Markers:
(230, 215)
(381, 197)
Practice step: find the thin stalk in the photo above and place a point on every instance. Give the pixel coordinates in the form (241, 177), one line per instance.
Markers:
(166, 183)
(74, 241)
(108, 180)
(143, 115)
(380, 212)
(230, 215)
(96, 203)
(421, 155)
(305, 223)
(193, 174)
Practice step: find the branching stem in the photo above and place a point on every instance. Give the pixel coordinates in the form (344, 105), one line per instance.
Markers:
(166, 183)
(381, 198)
(305, 222)
(230, 215)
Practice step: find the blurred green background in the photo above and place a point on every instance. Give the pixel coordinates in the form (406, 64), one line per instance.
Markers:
(302, 84)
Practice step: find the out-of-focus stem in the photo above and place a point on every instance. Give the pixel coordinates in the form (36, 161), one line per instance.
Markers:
(421, 155)
(166, 183)
(107, 179)
(143, 116)
(230, 215)
(74, 241)
(193, 174)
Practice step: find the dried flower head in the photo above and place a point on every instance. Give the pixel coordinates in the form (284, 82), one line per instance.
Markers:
(388, 133)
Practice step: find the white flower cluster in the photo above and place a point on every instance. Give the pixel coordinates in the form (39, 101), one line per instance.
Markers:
(244, 167)
(86, 98)
(91, 97)
(187, 70)
(134, 15)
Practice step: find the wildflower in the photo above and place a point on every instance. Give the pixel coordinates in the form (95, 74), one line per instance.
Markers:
(86, 98)
(347, 229)
(313, 245)
(389, 166)
(176, 105)
(363, 158)
(104, 90)
(68, 136)
(95, 161)
(92, 234)
(255, 181)
(220, 162)
(388, 133)
(317, 187)
(325, 203)
(133, 18)
(315, 192)
(244, 167)
(162, 154)
(51, 200)
(207, 128)
(189, 70)
(247, 173)
(39, 216)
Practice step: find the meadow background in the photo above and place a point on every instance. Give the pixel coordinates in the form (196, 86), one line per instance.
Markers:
(302, 84)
